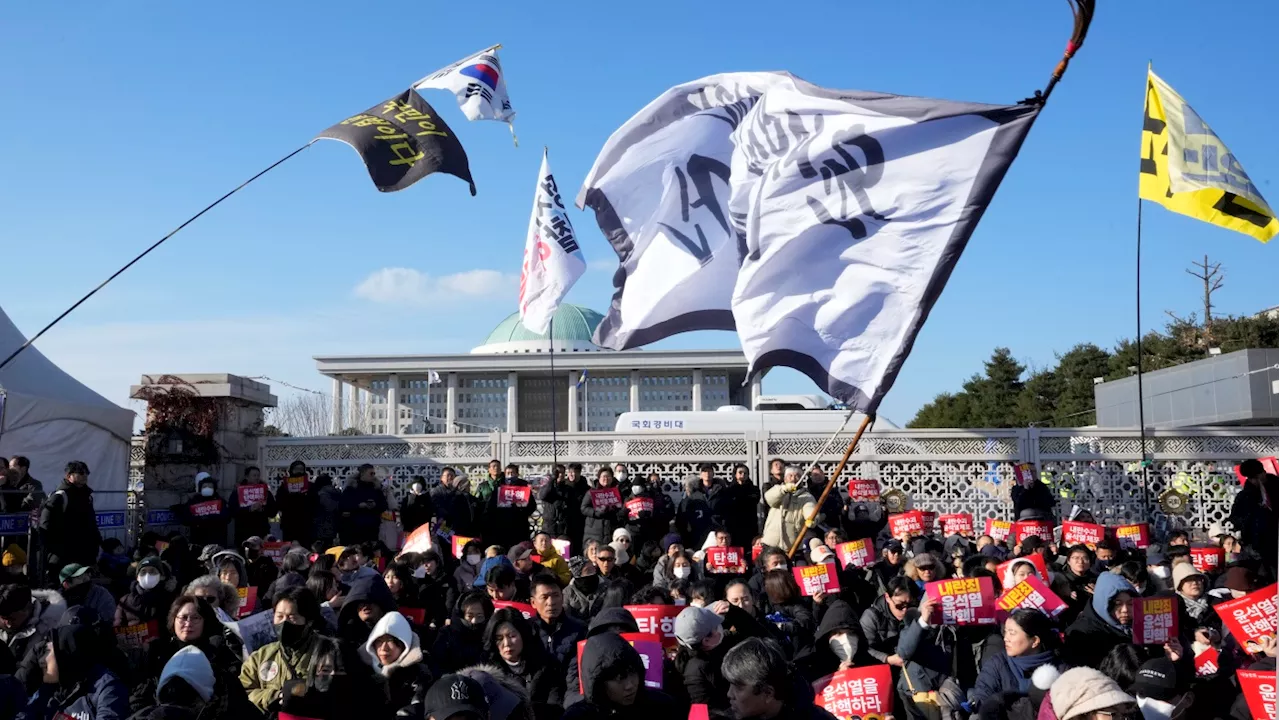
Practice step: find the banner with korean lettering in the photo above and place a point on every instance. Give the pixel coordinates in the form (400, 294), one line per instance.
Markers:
(909, 524)
(649, 646)
(137, 637)
(1133, 537)
(638, 505)
(296, 484)
(251, 494)
(957, 524)
(657, 620)
(814, 579)
(1155, 620)
(859, 692)
(524, 609)
(208, 508)
(1036, 560)
(1259, 689)
(1024, 473)
(864, 490)
(1208, 559)
(1082, 533)
(999, 530)
(513, 495)
(857, 553)
(248, 600)
(1024, 529)
(402, 141)
(1207, 662)
(963, 601)
(459, 542)
(553, 259)
(276, 551)
(1031, 593)
(927, 519)
(1252, 617)
(605, 498)
(725, 560)
(420, 540)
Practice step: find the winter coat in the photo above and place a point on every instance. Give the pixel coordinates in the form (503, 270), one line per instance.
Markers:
(1073, 590)
(251, 522)
(508, 526)
(506, 695)
(93, 596)
(268, 668)
(436, 595)
(880, 630)
(408, 677)
(788, 512)
(141, 606)
(560, 639)
(360, 525)
(69, 526)
(542, 678)
(700, 669)
(583, 596)
(296, 512)
(601, 658)
(456, 509)
(694, 516)
(85, 690)
(929, 653)
(326, 513)
(1033, 502)
(416, 511)
(552, 561)
(1094, 633)
(558, 502)
(209, 529)
(458, 645)
(612, 620)
(1000, 675)
(353, 631)
(600, 524)
(818, 659)
(224, 661)
(27, 643)
(740, 505)
(13, 697)
(651, 526)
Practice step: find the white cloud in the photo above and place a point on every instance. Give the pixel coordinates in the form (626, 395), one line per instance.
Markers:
(608, 264)
(406, 286)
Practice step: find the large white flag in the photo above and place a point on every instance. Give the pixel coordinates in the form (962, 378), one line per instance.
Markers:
(553, 260)
(821, 224)
(478, 82)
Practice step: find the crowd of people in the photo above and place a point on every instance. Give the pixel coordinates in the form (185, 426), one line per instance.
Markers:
(501, 614)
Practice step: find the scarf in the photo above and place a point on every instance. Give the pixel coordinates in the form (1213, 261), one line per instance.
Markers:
(1196, 607)
(1023, 666)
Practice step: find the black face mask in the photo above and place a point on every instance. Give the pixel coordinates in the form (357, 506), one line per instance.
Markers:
(589, 583)
(293, 636)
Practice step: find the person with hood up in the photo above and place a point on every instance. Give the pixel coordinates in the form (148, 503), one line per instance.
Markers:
(254, 516)
(1104, 624)
(150, 595)
(295, 616)
(694, 514)
(502, 697)
(364, 605)
(837, 645)
(205, 513)
(648, 525)
(549, 558)
(27, 620)
(460, 643)
(453, 504)
(512, 647)
(613, 685)
(1030, 642)
(68, 523)
(1083, 693)
(600, 523)
(790, 506)
(611, 621)
(762, 685)
(395, 653)
(1017, 571)
(75, 684)
(362, 505)
(78, 588)
(295, 500)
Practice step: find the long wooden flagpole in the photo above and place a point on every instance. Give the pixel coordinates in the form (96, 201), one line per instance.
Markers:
(831, 482)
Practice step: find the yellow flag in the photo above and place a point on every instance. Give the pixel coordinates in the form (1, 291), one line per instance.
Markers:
(1187, 168)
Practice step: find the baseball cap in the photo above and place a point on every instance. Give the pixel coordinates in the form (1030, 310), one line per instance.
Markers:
(74, 570)
(694, 624)
(519, 552)
(1157, 679)
(453, 695)
(893, 546)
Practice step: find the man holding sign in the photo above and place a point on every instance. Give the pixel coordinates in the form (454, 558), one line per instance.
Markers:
(205, 513)
(507, 511)
(252, 506)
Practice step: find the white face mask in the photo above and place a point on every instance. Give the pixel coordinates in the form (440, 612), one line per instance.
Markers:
(417, 489)
(1198, 647)
(1160, 571)
(637, 489)
(420, 572)
(148, 581)
(473, 559)
(206, 491)
(621, 475)
(681, 572)
(842, 646)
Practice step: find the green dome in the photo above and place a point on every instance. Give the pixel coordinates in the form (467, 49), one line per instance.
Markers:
(571, 325)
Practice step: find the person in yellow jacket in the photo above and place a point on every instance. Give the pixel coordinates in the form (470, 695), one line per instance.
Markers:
(265, 672)
(551, 559)
(790, 505)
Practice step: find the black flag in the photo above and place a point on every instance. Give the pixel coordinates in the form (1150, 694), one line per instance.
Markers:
(402, 141)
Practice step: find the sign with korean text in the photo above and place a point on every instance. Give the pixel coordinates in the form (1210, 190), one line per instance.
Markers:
(1024, 529)
(297, 484)
(420, 540)
(417, 616)
(927, 519)
(1031, 593)
(1252, 617)
(649, 646)
(638, 505)
(857, 553)
(657, 620)
(963, 601)
(256, 630)
(1208, 559)
(861, 692)
(957, 524)
(1024, 473)
(137, 637)
(1259, 688)
(814, 579)
(514, 495)
(1082, 533)
(460, 542)
(909, 524)
(1036, 560)
(1207, 662)
(248, 601)
(523, 608)
(725, 559)
(864, 490)
(657, 424)
(1155, 620)
(1133, 537)
(698, 711)
(998, 530)
(563, 547)
(605, 498)
(250, 494)
(275, 551)
(208, 508)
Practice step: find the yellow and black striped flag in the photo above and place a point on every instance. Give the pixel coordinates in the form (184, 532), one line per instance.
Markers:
(1186, 168)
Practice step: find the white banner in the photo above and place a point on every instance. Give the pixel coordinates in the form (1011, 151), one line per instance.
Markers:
(478, 82)
(553, 261)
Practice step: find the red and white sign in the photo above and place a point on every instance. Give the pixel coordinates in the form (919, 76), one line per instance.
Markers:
(460, 542)
(1252, 617)
(417, 616)
(864, 490)
(857, 553)
(1259, 688)
(563, 547)
(863, 692)
(963, 601)
(725, 560)
(275, 551)
(927, 519)
(957, 524)
(1207, 662)
(208, 508)
(248, 600)
(250, 494)
(514, 495)
(420, 540)
(909, 524)
(605, 498)
(297, 484)
(1208, 559)
(524, 609)
(1133, 537)
(637, 505)
(999, 530)
(1031, 593)
(1024, 529)
(1082, 533)
(137, 637)
(1155, 620)
(650, 648)
(657, 620)
(1036, 560)
(814, 579)
(1024, 473)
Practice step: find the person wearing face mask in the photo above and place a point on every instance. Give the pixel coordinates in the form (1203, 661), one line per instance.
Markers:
(296, 616)
(836, 645)
(460, 644)
(507, 520)
(650, 513)
(416, 510)
(150, 595)
(205, 514)
(469, 569)
(1158, 571)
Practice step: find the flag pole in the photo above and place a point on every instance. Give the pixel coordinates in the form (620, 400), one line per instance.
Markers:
(1142, 423)
(144, 253)
(555, 418)
(831, 482)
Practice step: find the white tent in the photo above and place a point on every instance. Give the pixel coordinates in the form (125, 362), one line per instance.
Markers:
(51, 418)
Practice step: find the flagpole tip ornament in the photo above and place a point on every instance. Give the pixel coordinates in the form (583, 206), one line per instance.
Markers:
(1082, 10)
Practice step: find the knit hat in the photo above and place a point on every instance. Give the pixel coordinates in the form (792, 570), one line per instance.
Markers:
(1240, 579)
(203, 476)
(1157, 679)
(621, 533)
(1183, 571)
(192, 666)
(576, 565)
(1080, 691)
(668, 540)
(13, 556)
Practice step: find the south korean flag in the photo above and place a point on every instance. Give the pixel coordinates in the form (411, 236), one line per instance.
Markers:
(477, 81)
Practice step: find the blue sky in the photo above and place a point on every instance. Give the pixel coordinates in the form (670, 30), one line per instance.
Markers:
(126, 118)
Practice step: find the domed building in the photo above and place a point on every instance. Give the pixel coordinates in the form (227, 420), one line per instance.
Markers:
(506, 383)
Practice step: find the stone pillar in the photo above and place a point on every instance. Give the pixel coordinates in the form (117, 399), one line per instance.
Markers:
(335, 415)
(697, 390)
(393, 404)
(573, 401)
(451, 404)
(353, 407)
(635, 390)
(755, 390)
(513, 407)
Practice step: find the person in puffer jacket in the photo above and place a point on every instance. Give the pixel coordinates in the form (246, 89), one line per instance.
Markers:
(613, 685)
(395, 653)
(189, 688)
(76, 685)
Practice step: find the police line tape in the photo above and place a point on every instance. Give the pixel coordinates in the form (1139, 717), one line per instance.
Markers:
(18, 523)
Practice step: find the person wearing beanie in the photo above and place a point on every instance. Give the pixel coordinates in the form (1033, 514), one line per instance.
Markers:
(75, 683)
(191, 667)
(205, 513)
(650, 511)
(1083, 693)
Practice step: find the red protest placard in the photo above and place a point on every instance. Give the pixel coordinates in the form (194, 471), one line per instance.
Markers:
(250, 494)
(563, 547)
(208, 508)
(1252, 617)
(417, 616)
(1024, 529)
(297, 484)
(137, 637)
(1208, 559)
(1136, 536)
(514, 495)
(606, 498)
(963, 601)
(275, 551)
(657, 620)
(1155, 620)
(1082, 533)
(864, 490)
(650, 648)
(524, 609)
(858, 553)
(998, 530)
(856, 692)
(1024, 473)
(699, 712)
(957, 524)
(814, 579)
(459, 542)
(908, 523)
(1036, 561)
(1031, 593)
(725, 559)
(420, 540)
(1207, 662)
(638, 505)
(927, 519)
(248, 600)
(1259, 688)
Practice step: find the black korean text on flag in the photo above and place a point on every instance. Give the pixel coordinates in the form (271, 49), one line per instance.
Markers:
(402, 141)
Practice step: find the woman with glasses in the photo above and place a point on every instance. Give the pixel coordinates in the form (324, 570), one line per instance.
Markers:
(1030, 642)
